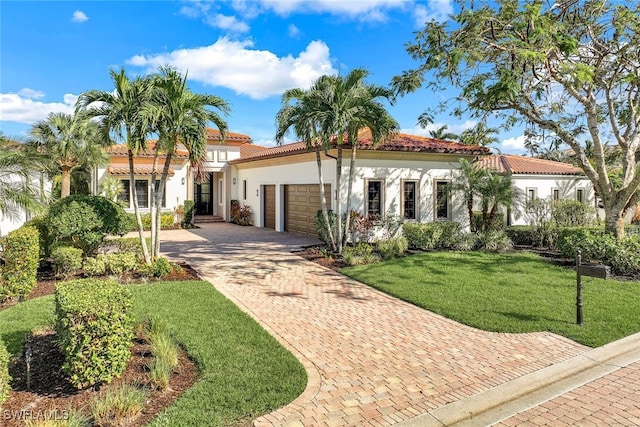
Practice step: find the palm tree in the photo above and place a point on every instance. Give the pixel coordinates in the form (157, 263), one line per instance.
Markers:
(71, 141)
(496, 190)
(480, 134)
(349, 106)
(300, 111)
(179, 116)
(441, 133)
(468, 183)
(119, 111)
(18, 169)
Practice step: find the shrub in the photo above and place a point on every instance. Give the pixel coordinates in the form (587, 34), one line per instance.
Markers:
(521, 234)
(5, 379)
(241, 214)
(361, 253)
(493, 241)
(392, 247)
(124, 244)
(167, 221)
(188, 212)
(432, 235)
(67, 259)
(94, 328)
(95, 266)
(321, 229)
(21, 249)
(118, 406)
(361, 226)
(161, 267)
(45, 240)
(590, 241)
(571, 213)
(391, 225)
(466, 242)
(120, 262)
(84, 220)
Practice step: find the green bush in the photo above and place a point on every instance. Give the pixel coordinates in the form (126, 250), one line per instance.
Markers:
(361, 253)
(161, 267)
(521, 234)
(188, 212)
(167, 221)
(571, 213)
(590, 241)
(120, 263)
(21, 249)
(95, 266)
(5, 379)
(467, 242)
(67, 259)
(496, 224)
(94, 329)
(392, 247)
(45, 240)
(493, 241)
(432, 235)
(124, 244)
(84, 220)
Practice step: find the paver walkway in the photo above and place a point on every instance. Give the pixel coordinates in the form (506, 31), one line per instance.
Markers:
(371, 359)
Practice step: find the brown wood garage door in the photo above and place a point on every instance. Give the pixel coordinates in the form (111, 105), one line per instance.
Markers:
(269, 194)
(301, 203)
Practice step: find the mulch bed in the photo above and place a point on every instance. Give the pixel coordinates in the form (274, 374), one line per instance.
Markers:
(320, 256)
(50, 393)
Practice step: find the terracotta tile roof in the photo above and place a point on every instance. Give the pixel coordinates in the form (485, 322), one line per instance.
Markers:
(400, 142)
(136, 171)
(213, 135)
(248, 150)
(528, 166)
(121, 150)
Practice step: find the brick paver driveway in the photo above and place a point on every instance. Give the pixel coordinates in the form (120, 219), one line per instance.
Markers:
(371, 359)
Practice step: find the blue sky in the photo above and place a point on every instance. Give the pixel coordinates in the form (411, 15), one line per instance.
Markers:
(247, 52)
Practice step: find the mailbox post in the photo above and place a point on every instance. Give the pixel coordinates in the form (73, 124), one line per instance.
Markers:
(591, 270)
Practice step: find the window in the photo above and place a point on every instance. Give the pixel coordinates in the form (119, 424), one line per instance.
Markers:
(374, 197)
(244, 189)
(142, 191)
(532, 194)
(210, 155)
(222, 155)
(164, 195)
(555, 194)
(409, 196)
(125, 195)
(442, 200)
(580, 195)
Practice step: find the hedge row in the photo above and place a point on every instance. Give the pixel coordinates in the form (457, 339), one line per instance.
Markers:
(94, 325)
(432, 235)
(20, 255)
(167, 221)
(5, 379)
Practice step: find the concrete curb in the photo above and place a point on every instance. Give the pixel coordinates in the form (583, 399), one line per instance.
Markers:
(501, 402)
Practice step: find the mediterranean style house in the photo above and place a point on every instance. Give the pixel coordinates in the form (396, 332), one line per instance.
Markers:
(406, 176)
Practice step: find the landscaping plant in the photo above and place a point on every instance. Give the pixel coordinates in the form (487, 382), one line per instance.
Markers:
(21, 249)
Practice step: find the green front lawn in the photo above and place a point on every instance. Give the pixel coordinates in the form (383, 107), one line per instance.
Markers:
(516, 292)
(244, 371)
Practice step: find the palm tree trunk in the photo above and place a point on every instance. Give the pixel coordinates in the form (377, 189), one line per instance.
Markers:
(136, 209)
(323, 201)
(154, 206)
(352, 167)
(65, 191)
(339, 197)
(470, 210)
(158, 200)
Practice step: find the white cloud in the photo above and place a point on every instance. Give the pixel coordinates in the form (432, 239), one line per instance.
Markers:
(16, 107)
(228, 23)
(363, 10)
(79, 16)
(437, 10)
(234, 65)
(514, 143)
(30, 93)
(293, 31)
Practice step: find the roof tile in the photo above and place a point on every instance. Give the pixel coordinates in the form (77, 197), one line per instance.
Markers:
(112, 170)
(528, 166)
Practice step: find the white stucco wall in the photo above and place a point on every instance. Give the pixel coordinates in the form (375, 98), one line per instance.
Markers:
(393, 170)
(567, 186)
(8, 223)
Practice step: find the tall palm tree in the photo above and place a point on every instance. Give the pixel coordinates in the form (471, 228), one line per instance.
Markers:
(441, 133)
(18, 170)
(179, 116)
(71, 141)
(300, 110)
(468, 183)
(349, 106)
(119, 112)
(496, 190)
(480, 134)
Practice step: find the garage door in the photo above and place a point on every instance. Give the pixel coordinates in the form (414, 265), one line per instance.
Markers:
(301, 203)
(269, 204)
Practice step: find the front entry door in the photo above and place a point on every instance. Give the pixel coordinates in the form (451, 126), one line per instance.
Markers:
(203, 196)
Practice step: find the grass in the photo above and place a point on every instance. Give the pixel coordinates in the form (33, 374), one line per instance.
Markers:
(118, 406)
(244, 371)
(516, 292)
